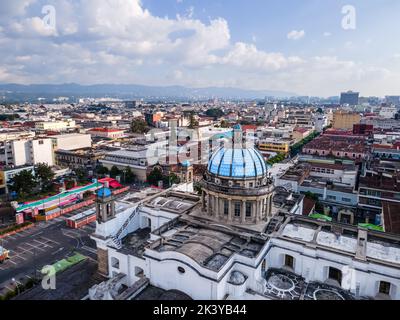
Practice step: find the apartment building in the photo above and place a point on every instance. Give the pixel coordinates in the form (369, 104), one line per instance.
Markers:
(29, 152)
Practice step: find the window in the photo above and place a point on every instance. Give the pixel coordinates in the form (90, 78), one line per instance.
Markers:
(384, 287)
(115, 263)
(335, 274)
(289, 261)
(41, 142)
(237, 209)
(181, 270)
(346, 200)
(226, 207)
(248, 209)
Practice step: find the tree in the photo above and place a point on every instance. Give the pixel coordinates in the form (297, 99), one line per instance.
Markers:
(114, 172)
(139, 126)
(23, 183)
(214, 113)
(171, 179)
(155, 176)
(224, 124)
(81, 174)
(192, 121)
(44, 176)
(101, 170)
(129, 176)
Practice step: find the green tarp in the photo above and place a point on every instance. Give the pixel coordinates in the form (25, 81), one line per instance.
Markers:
(320, 217)
(68, 262)
(370, 226)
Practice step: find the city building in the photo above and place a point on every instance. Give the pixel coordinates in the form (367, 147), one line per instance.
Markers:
(345, 120)
(350, 147)
(136, 159)
(15, 134)
(275, 145)
(349, 98)
(71, 142)
(108, 133)
(86, 158)
(55, 125)
(29, 152)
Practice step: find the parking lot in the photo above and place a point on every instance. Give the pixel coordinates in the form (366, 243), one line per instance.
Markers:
(41, 245)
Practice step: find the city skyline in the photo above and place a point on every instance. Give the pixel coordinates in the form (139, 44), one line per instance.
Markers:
(290, 46)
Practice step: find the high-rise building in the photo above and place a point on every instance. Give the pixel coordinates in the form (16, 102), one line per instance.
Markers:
(351, 98)
(395, 100)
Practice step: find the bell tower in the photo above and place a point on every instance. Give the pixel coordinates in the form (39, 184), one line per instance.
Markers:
(105, 205)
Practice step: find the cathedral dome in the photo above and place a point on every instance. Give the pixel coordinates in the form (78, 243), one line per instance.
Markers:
(237, 163)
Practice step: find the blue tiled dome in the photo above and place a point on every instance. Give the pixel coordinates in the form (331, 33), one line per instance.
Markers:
(237, 163)
(104, 193)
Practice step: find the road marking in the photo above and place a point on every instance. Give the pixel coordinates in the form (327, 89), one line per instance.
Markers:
(9, 260)
(45, 244)
(36, 247)
(55, 252)
(89, 249)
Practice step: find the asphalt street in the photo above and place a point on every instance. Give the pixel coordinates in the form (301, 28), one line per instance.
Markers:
(44, 244)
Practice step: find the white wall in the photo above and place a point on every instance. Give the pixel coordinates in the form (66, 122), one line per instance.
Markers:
(313, 266)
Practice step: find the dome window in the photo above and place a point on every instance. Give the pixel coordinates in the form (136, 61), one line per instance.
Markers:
(181, 270)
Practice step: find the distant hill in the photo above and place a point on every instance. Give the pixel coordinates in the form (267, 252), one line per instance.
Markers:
(135, 91)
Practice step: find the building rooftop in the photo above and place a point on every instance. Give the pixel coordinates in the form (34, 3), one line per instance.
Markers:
(380, 247)
(210, 247)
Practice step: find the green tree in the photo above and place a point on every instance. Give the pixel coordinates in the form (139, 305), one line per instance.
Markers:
(215, 113)
(44, 176)
(23, 183)
(139, 126)
(101, 170)
(171, 180)
(114, 172)
(81, 174)
(129, 176)
(192, 121)
(155, 176)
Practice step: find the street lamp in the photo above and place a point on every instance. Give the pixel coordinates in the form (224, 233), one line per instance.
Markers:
(17, 284)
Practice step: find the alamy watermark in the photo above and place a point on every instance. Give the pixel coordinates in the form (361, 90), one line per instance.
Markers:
(349, 21)
(50, 18)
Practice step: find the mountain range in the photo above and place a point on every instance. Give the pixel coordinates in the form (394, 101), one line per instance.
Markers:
(136, 91)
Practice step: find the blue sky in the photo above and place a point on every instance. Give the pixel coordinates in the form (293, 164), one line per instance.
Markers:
(292, 45)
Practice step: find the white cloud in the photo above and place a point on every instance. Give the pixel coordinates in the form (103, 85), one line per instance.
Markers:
(327, 34)
(296, 35)
(120, 41)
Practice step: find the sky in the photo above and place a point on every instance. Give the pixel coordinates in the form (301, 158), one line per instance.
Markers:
(308, 47)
